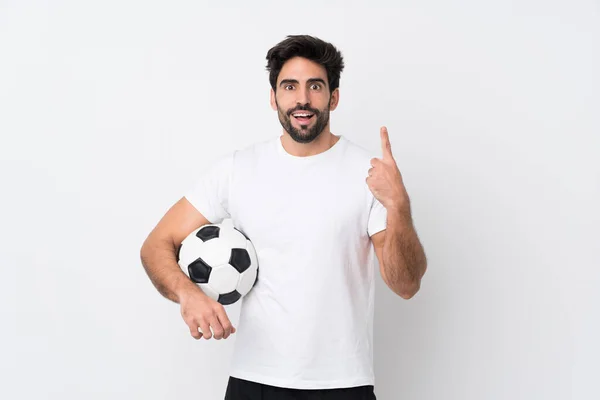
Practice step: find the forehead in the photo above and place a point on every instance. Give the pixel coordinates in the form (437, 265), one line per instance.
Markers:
(301, 69)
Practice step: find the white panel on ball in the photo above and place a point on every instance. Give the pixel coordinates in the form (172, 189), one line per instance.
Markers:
(209, 291)
(252, 253)
(247, 280)
(233, 237)
(224, 278)
(216, 252)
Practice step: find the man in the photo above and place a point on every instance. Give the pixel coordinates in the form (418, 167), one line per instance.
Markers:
(317, 215)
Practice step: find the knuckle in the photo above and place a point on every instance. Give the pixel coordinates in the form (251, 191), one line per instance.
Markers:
(191, 323)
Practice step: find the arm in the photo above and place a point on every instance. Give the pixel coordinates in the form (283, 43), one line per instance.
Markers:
(401, 256)
(158, 256)
(158, 251)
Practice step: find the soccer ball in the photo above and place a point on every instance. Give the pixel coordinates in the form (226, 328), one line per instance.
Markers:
(221, 260)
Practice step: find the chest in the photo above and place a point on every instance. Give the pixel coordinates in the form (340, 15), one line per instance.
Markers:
(291, 207)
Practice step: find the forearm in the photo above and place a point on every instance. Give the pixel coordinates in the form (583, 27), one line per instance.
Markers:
(158, 259)
(404, 260)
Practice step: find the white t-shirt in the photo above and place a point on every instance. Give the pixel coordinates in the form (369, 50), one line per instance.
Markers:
(308, 321)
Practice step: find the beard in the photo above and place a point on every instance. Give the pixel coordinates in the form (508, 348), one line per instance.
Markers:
(304, 134)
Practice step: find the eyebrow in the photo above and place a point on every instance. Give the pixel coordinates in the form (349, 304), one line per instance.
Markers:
(311, 80)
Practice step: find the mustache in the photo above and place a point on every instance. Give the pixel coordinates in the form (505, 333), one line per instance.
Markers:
(303, 108)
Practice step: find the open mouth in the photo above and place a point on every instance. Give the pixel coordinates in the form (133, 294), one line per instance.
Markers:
(303, 117)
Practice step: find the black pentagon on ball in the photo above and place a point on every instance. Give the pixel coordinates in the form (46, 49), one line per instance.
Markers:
(208, 232)
(199, 271)
(240, 259)
(229, 298)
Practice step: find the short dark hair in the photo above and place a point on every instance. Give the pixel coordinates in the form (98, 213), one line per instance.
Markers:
(308, 47)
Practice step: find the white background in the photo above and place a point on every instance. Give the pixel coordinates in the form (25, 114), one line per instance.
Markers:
(108, 111)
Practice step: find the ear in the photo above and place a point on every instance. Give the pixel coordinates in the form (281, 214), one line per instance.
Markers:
(273, 103)
(334, 99)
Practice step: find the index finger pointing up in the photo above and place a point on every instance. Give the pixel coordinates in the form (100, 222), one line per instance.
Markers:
(386, 146)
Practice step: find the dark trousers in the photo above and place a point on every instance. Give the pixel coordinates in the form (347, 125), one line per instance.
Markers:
(240, 389)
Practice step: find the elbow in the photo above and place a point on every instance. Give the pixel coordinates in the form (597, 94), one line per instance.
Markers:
(142, 254)
(144, 245)
(144, 249)
(406, 288)
(408, 291)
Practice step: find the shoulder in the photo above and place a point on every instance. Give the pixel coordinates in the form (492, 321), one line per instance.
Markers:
(241, 155)
(254, 150)
(358, 154)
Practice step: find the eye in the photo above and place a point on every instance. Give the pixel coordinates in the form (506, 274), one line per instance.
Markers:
(315, 86)
(288, 87)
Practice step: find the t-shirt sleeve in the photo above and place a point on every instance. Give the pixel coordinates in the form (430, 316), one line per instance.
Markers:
(377, 217)
(209, 194)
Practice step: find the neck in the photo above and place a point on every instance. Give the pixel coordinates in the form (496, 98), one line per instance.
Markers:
(322, 143)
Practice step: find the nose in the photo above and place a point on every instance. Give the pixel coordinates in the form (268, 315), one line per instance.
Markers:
(302, 97)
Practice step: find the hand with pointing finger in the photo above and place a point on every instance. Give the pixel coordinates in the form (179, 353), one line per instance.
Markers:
(385, 180)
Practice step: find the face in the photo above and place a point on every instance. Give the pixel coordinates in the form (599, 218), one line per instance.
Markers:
(302, 99)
